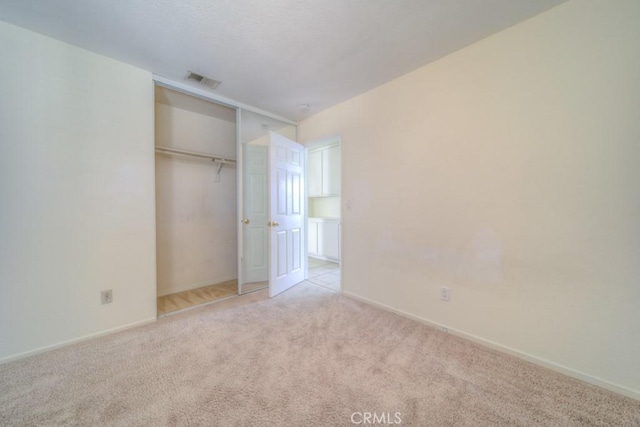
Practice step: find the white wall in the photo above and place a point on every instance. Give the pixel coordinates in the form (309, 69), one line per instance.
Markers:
(512, 178)
(76, 193)
(324, 207)
(196, 217)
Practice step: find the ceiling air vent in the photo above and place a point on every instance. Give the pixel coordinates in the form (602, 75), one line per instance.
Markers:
(206, 81)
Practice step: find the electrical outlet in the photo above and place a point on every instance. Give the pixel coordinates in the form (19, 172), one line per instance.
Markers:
(106, 296)
(445, 293)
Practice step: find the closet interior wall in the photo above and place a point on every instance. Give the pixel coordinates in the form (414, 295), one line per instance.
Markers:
(195, 208)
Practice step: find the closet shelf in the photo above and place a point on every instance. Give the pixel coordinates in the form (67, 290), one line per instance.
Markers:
(219, 161)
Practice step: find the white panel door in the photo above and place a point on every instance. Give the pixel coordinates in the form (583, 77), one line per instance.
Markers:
(286, 206)
(255, 262)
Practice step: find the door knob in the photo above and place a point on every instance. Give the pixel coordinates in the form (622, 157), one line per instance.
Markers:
(273, 224)
(245, 221)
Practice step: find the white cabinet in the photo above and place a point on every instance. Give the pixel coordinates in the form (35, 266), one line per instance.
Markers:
(324, 238)
(329, 239)
(312, 229)
(324, 171)
(314, 170)
(331, 171)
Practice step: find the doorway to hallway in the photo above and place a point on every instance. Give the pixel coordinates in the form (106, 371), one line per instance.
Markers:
(324, 273)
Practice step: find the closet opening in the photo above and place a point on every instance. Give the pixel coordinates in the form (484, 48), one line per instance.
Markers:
(196, 191)
(324, 226)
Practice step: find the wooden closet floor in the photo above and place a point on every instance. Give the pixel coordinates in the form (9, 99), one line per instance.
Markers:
(193, 297)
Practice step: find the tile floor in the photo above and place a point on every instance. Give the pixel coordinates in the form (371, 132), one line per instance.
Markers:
(324, 273)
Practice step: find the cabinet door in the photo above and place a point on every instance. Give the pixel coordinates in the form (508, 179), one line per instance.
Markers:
(329, 239)
(313, 237)
(314, 169)
(331, 171)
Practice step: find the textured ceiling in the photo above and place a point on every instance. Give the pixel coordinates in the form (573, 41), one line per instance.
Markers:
(274, 54)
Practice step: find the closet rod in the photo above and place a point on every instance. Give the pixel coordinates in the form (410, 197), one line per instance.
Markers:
(218, 159)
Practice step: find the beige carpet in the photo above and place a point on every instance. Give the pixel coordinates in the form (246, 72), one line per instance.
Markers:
(309, 357)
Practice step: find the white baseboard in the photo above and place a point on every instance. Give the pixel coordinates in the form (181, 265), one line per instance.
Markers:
(634, 394)
(75, 340)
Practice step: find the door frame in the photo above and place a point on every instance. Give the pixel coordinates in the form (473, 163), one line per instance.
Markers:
(239, 203)
(335, 139)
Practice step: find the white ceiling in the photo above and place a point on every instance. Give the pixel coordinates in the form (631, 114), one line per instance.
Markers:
(274, 54)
